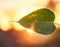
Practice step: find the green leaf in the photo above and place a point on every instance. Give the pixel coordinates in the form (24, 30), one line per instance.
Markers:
(40, 15)
(44, 28)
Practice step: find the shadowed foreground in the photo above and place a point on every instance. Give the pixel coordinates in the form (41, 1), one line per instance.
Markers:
(13, 38)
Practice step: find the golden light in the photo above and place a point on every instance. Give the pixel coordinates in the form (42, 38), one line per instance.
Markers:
(20, 28)
(57, 13)
(4, 23)
(15, 11)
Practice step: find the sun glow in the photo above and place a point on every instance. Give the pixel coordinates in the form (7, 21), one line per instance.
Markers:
(15, 11)
(20, 28)
(4, 23)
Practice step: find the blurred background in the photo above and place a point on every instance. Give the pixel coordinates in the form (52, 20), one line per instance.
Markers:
(12, 34)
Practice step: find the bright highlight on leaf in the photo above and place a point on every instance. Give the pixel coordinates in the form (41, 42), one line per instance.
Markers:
(43, 19)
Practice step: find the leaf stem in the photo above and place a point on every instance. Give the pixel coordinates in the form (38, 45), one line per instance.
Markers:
(41, 22)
